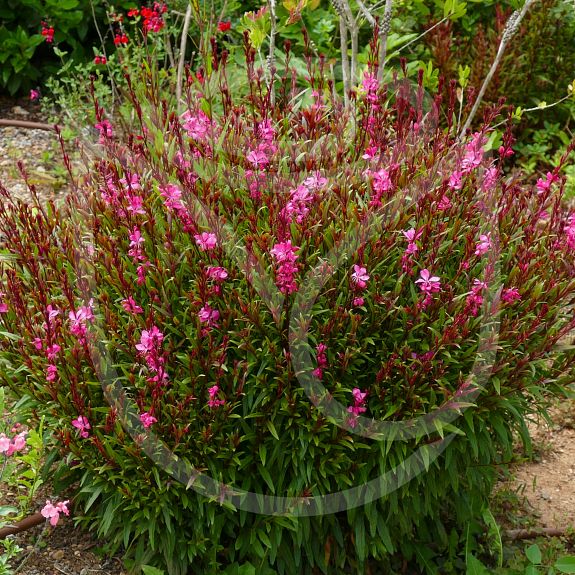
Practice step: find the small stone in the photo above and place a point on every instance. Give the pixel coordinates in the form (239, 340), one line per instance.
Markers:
(57, 555)
(546, 496)
(19, 111)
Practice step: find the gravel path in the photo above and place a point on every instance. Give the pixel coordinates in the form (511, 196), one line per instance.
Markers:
(39, 151)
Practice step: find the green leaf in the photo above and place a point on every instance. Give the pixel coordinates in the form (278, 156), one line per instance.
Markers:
(475, 567)
(494, 534)
(565, 564)
(533, 553)
(272, 429)
(149, 570)
(8, 510)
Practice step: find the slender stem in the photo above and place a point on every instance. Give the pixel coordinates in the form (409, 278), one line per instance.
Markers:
(354, 33)
(510, 29)
(114, 89)
(182, 54)
(344, 60)
(271, 57)
(366, 13)
(421, 35)
(535, 109)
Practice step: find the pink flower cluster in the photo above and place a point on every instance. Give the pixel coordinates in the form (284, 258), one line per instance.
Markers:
(8, 445)
(3, 304)
(198, 126)
(172, 196)
(150, 347)
(412, 236)
(83, 425)
(79, 319)
(483, 245)
(370, 85)
(570, 232)
(321, 358)
(209, 316)
(381, 184)
(509, 295)
(106, 131)
(147, 419)
(129, 304)
(52, 512)
(213, 401)
(544, 184)
(206, 241)
(285, 257)
(301, 197)
(358, 407)
(428, 284)
(475, 299)
(472, 158)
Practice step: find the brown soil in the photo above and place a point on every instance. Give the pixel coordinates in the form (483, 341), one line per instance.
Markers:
(548, 482)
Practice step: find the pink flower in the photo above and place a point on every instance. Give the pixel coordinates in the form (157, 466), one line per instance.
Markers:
(218, 274)
(106, 131)
(359, 276)
(52, 512)
(510, 295)
(284, 252)
(257, 158)
(198, 126)
(358, 301)
(285, 256)
(52, 351)
(427, 283)
(150, 340)
(359, 396)
(209, 315)
(544, 185)
(82, 425)
(4, 443)
(444, 203)
(172, 196)
(358, 407)
(455, 180)
(490, 179)
(34, 95)
(18, 443)
(212, 401)
(51, 372)
(483, 245)
(141, 271)
(131, 306)
(412, 236)
(315, 181)
(474, 152)
(147, 419)
(136, 205)
(206, 241)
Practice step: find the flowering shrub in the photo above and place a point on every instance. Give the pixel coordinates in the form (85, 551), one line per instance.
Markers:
(296, 336)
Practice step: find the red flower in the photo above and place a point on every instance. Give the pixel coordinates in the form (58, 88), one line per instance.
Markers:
(100, 60)
(133, 12)
(47, 32)
(120, 39)
(224, 26)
